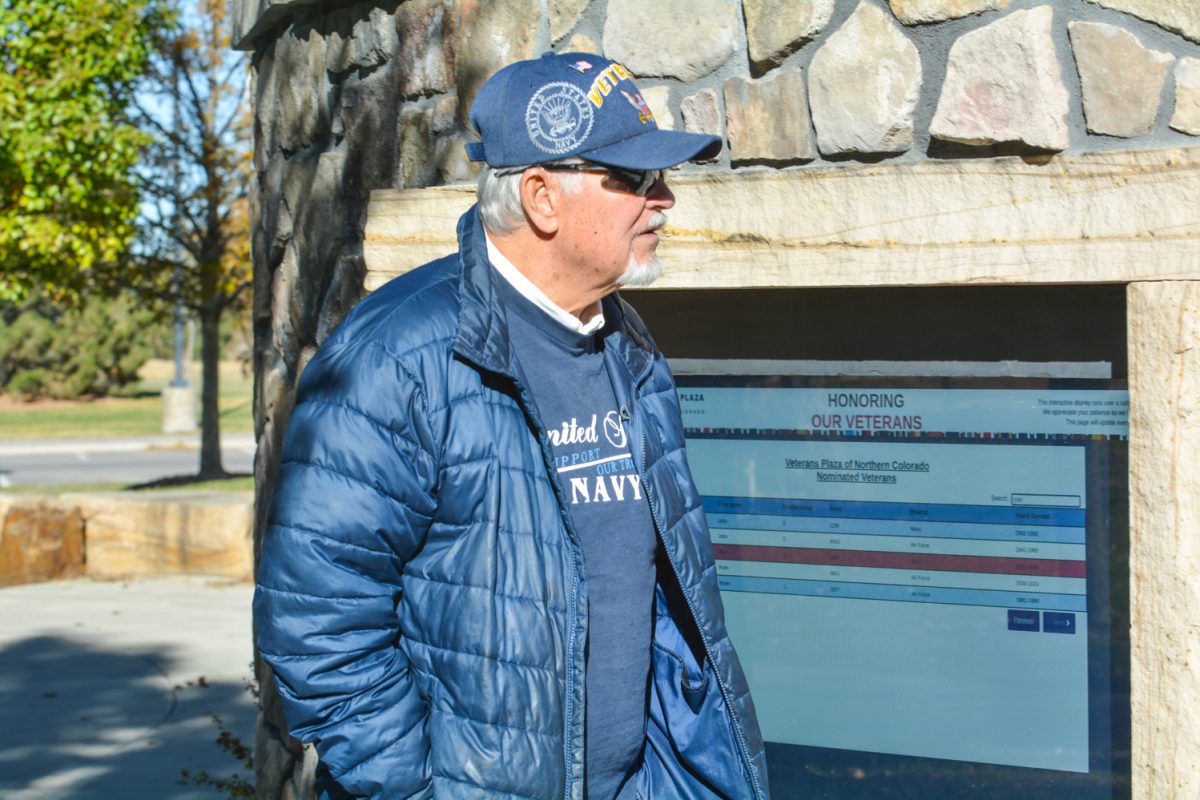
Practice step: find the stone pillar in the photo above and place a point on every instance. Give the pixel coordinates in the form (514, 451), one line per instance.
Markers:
(179, 409)
(1164, 557)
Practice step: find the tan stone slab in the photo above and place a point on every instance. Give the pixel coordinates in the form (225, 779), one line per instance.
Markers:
(702, 112)
(581, 43)
(564, 14)
(917, 12)
(185, 533)
(1164, 552)
(41, 539)
(425, 56)
(659, 100)
(1186, 118)
(684, 39)
(1121, 79)
(1105, 217)
(1004, 84)
(777, 28)
(863, 85)
(491, 36)
(767, 119)
(1180, 16)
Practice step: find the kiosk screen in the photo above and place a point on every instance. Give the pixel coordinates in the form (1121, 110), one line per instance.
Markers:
(918, 578)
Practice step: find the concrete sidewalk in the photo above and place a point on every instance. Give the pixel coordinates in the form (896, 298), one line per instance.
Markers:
(107, 690)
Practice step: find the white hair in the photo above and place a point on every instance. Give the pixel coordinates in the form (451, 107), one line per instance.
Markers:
(499, 196)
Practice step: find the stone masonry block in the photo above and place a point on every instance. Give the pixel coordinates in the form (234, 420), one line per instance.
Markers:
(359, 41)
(564, 14)
(918, 12)
(1003, 84)
(702, 112)
(1179, 16)
(777, 28)
(491, 36)
(188, 533)
(428, 33)
(300, 89)
(768, 119)
(658, 98)
(863, 86)
(417, 165)
(580, 43)
(1187, 97)
(1122, 80)
(683, 39)
(40, 540)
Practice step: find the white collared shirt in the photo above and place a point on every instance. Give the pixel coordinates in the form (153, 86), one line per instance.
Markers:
(533, 294)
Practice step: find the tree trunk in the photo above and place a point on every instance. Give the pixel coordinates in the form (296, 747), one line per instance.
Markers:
(210, 412)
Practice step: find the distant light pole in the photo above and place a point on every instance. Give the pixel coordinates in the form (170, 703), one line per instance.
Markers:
(179, 400)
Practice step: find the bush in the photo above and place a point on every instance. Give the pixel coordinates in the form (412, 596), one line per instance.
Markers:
(92, 350)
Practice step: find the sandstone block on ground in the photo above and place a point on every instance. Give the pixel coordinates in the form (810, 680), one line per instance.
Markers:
(683, 39)
(777, 28)
(917, 12)
(1121, 79)
(1003, 84)
(1187, 96)
(1180, 16)
(425, 58)
(168, 533)
(863, 86)
(40, 540)
(564, 14)
(492, 35)
(768, 118)
(701, 112)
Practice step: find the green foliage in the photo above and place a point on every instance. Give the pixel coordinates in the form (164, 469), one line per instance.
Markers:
(90, 350)
(234, 786)
(68, 195)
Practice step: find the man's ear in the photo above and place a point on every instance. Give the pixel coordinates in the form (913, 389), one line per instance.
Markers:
(541, 199)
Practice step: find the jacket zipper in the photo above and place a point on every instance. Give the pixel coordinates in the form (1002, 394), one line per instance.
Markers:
(573, 564)
(733, 717)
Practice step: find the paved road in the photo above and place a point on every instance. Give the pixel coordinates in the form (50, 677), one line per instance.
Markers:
(107, 690)
(122, 460)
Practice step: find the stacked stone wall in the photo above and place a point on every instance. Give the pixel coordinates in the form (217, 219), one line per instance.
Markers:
(352, 97)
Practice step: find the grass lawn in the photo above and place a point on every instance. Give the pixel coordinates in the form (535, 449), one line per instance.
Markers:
(140, 415)
(244, 483)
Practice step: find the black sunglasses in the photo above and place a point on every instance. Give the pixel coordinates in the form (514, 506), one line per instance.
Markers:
(634, 181)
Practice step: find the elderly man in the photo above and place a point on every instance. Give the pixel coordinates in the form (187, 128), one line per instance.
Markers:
(487, 572)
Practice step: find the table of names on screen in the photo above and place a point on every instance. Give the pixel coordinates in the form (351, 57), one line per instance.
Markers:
(865, 542)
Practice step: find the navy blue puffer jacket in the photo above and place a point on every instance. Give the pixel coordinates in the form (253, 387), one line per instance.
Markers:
(421, 596)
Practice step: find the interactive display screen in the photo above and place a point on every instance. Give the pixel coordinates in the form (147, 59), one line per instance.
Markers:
(917, 576)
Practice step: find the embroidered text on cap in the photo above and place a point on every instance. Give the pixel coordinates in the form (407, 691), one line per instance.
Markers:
(558, 118)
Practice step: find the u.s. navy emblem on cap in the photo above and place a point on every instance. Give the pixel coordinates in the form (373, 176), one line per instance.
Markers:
(558, 118)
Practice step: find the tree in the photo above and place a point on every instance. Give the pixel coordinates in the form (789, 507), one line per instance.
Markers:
(68, 145)
(196, 176)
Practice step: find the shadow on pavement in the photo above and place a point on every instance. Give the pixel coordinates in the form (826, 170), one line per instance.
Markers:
(84, 723)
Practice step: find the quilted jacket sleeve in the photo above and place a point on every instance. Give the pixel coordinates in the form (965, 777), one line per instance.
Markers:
(353, 500)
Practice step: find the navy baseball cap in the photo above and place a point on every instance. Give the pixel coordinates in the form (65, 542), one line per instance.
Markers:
(575, 105)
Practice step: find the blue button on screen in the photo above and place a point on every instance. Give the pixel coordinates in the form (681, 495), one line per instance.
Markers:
(1058, 622)
(1024, 620)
